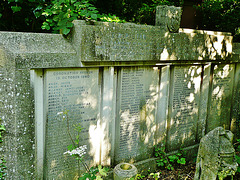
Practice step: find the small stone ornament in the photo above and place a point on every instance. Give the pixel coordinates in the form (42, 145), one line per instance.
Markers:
(216, 156)
(168, 18)
(124, 171)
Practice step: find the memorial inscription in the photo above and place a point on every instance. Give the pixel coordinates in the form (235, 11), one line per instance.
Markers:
(75, 91)
(131, 43)
(221, 98)
(138, 95)
(184, 103)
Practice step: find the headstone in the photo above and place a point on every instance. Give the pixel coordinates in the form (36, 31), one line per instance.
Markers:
(221, 97)
(75, 91)
(136, 121)
(216, 156)
(184, 103)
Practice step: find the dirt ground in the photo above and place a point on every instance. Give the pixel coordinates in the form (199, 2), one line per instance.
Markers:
(185, 172)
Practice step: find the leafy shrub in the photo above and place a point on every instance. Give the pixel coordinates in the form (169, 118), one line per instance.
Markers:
(60, 14)
(237, 148)
(2, 161)
(167, 161)
(221, 15)
(95, 173)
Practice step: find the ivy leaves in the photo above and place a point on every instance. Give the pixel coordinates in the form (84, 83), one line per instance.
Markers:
(60, 14)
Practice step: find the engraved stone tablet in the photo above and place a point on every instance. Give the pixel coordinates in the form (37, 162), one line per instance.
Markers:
(136, 121)
(75, 91)
(184, 101)
(221, 97)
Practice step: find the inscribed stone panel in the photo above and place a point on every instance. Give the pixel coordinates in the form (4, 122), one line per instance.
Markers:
(221, 97)
(136, 124)
(77, 91)
(184, 102)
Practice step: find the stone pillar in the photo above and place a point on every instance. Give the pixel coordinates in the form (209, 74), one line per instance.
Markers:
(108, 115)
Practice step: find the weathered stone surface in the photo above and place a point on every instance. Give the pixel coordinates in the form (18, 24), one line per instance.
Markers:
(220, 99)
(216, 156)
(108, 48)
(129, 42)
(235, 116)
(64, 92)
(236, 48)
(136, 122)
(124, 171)
(168, 18)
(184, 104)
(204, 97)
(33, 50)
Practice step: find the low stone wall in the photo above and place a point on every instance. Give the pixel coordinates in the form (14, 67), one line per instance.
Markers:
(129, 86)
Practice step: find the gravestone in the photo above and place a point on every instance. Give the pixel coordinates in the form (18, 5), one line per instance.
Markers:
(184, 103)
(136, 123)
(75, 91)
(216, 156)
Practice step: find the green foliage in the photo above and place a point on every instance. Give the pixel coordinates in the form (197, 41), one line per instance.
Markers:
(168, 161)
(111, 18)
(2, 168)
(237, 148)
(57, 15)
(2, 161)
(221, 15)
(2, 129)
(139, 176)
(156, 175)
(21, 15)
(95, 173)
(147, 11)
(77, 151)
(60, 14)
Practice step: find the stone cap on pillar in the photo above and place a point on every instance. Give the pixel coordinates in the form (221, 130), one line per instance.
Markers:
(168, 18)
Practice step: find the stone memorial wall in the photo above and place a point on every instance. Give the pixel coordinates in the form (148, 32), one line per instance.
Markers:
(129, 86)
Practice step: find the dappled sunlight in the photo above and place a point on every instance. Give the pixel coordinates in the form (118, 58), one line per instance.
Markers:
(90, 99)
(222, 85)
(105, 143)
(3, 58)
(164, 54)
(182, 127)
(95, 135)
(137, 114)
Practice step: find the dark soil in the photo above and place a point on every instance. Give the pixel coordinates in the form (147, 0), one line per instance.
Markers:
(183, 172)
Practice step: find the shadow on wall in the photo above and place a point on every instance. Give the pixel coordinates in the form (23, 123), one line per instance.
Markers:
(110, 42)
(185, 92)
(136, 123)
